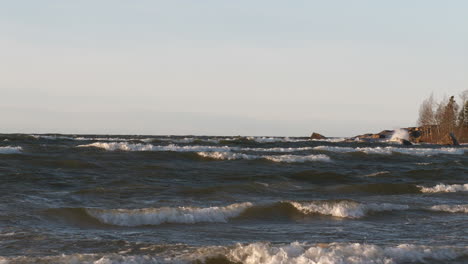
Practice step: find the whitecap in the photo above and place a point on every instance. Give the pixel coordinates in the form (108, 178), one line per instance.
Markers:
(390, 150)
(350, 253)
(275, 158)
(10, 150)
(457, 208)
(441, 188)
(157, 216)
(344, 209)
(124, 146)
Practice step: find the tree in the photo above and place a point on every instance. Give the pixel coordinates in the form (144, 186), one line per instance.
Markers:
(463, 114)
(448, 116)
(426, 112)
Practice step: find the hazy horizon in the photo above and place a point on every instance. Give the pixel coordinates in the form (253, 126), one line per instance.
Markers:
(263, 68)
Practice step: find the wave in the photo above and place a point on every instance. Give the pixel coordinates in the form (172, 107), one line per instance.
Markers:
(218, 214)
(157, 216)
(274, 139)
(277, 149)
(266, 252)
(391, 150)
(445, 188)
(124, 146)
(344, 209)
(10, 150)
(458, 208)
(379, 173)
(352, 253)
(274, 158)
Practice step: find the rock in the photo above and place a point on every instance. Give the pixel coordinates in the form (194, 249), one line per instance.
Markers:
(317, 136)
(454, 139)
(386, 134)
(415, 135)
(378, 136)
(405, 142)
(449, 139)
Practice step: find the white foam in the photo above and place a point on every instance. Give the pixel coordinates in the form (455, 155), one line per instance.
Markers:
(332, 140)
(266, 253)
(297, 158)
(349, 253)
(124, 146)
(156, 216)
(278, 149)
(445, 188)
(399, 134)
(10, 150)
(275, 139)
(390, 150)
(344, 209)
(227, 155)
(458, 208)
(275, 158)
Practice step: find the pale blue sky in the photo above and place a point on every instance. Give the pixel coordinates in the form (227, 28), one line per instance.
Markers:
(283, 68)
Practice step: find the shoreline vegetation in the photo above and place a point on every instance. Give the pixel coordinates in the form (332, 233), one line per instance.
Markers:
(443, 123)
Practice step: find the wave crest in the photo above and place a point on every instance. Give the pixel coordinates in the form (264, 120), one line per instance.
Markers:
(156, 216)
(274, 158)
(458, 208)
(445, 188)
(391, 150)
(344, 209)
(352, 253)
(10, 150)
(124, 146)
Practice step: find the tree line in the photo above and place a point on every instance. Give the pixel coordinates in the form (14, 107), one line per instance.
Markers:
(440, 119)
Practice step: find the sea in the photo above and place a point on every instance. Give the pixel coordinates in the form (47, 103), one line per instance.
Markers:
(210, 199)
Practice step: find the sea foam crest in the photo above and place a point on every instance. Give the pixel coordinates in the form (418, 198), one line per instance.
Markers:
(124, 146)
(278, 149)
(275, 139)
(344, 209)
(350, 253)
(156, 216)
(390, 150)
(265, 252)
(10, 150)
(275, 158)
(457, 208)
(445, 188)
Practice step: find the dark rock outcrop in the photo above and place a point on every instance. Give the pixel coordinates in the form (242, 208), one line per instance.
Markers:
(405, 142)
(317, 136)
(449, 139)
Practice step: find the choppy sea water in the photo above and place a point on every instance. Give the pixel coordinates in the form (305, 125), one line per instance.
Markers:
(168, 199)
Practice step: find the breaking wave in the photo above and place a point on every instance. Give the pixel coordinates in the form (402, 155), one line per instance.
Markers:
(344, 209)
(350, 253)
(123, 146)
(266, 252)
(275, 158)
(10, 150)
(156, 216)
(221, 214)
(391, 150)
(445, 188)
(458, 208)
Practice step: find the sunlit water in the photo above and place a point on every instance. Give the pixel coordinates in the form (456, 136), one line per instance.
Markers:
(162, 199)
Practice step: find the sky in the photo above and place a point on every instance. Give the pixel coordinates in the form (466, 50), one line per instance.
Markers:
(219, 67)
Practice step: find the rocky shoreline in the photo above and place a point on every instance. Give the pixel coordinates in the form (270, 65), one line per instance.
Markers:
(410, 135)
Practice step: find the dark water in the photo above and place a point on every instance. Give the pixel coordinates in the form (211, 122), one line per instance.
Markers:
(158, 199)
